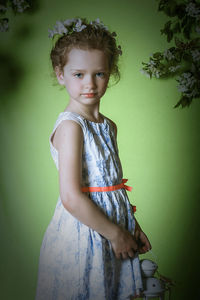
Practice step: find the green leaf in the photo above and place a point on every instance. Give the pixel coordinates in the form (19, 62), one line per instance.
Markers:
(158, 55)
(178, 56)
(167, 25)
(187, 30)
(176, 28)
(184, 21)
(177, 104)
(178, 42)
(184, 101)
(169, 36)
(180, 11)
(162, 4)
(173, 7)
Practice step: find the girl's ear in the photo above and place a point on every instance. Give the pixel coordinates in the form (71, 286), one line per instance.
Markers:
(59, 75)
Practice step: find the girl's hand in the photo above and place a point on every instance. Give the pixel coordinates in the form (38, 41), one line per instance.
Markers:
(142, 241)
(124, 244)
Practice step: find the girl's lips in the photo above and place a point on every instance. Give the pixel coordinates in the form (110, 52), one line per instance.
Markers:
(89, 95)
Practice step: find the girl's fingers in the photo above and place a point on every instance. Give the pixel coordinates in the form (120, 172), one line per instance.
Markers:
(146, 245)
(124, 255)
(118, 255)
(131, 253)
(135, 245)
(143, 250)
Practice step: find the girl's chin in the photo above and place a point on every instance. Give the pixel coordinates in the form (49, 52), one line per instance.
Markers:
(83, 99)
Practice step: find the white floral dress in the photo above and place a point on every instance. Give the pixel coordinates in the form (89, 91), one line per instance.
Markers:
(76, 262)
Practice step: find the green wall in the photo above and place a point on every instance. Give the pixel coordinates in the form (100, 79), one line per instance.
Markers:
(159, 146)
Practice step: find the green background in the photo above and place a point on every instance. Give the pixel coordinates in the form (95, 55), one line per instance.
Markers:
(159, 145)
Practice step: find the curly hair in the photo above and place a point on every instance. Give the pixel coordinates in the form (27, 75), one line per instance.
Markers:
(91, 37)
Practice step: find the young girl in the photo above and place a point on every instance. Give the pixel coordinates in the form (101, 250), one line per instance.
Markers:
(90, 248)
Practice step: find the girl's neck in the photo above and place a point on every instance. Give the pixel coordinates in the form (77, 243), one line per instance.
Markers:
(90, 113)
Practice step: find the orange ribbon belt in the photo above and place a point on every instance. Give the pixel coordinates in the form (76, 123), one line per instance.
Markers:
(109, 189)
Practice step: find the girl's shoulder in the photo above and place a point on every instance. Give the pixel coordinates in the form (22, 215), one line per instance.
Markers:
(63, 122)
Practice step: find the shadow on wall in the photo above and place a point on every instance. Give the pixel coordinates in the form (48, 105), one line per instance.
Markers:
(12, 70)
(11, 74)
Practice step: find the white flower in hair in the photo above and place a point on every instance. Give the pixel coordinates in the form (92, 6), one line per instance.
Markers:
(60, 28)
(79, 27)
(69, 22)
(97, 23)
(51, 33)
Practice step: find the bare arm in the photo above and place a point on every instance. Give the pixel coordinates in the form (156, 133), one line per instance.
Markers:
(70, 143)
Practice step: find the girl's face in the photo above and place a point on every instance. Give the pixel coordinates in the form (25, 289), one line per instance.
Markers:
(85, 76)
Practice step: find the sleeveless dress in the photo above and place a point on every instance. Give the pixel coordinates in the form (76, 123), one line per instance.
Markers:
(76, 262)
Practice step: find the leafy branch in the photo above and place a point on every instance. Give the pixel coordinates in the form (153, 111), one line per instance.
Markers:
(17, 6)
(183, 58)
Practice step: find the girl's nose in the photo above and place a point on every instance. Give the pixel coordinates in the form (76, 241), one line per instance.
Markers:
(90, 81)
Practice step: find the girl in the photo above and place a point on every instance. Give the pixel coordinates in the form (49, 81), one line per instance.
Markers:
(90, 248)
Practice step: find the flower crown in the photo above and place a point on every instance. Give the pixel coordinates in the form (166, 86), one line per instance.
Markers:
(75, 25)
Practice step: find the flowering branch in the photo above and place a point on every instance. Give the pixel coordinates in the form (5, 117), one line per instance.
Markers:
(18, 6)
(184, 58)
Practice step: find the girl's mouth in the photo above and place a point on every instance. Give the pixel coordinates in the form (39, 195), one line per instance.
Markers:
(91, 95)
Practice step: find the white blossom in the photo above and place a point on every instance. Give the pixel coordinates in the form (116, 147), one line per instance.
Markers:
(195, 54)
(197, 29)
(186, 84)
(168, 54)
(97, 23)
(3, 8)
(51, 33)
(4, 25)
(21, 5)
(60, 28)
(145, 72)
(157, 74)
(151, 63)
(69, 22)
(151, 66)
(79, 27)
(173, 68)
(192, 10)
(153, 69)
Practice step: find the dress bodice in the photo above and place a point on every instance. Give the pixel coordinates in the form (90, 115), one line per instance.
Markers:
(101, 165)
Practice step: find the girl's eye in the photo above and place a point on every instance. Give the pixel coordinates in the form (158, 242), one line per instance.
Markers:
(101, 74)
(78, 75)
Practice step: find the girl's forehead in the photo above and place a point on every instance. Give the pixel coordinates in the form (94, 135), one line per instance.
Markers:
(91, 57)
(77, 51)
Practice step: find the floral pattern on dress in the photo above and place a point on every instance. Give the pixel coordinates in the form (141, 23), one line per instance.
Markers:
(76, 262)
